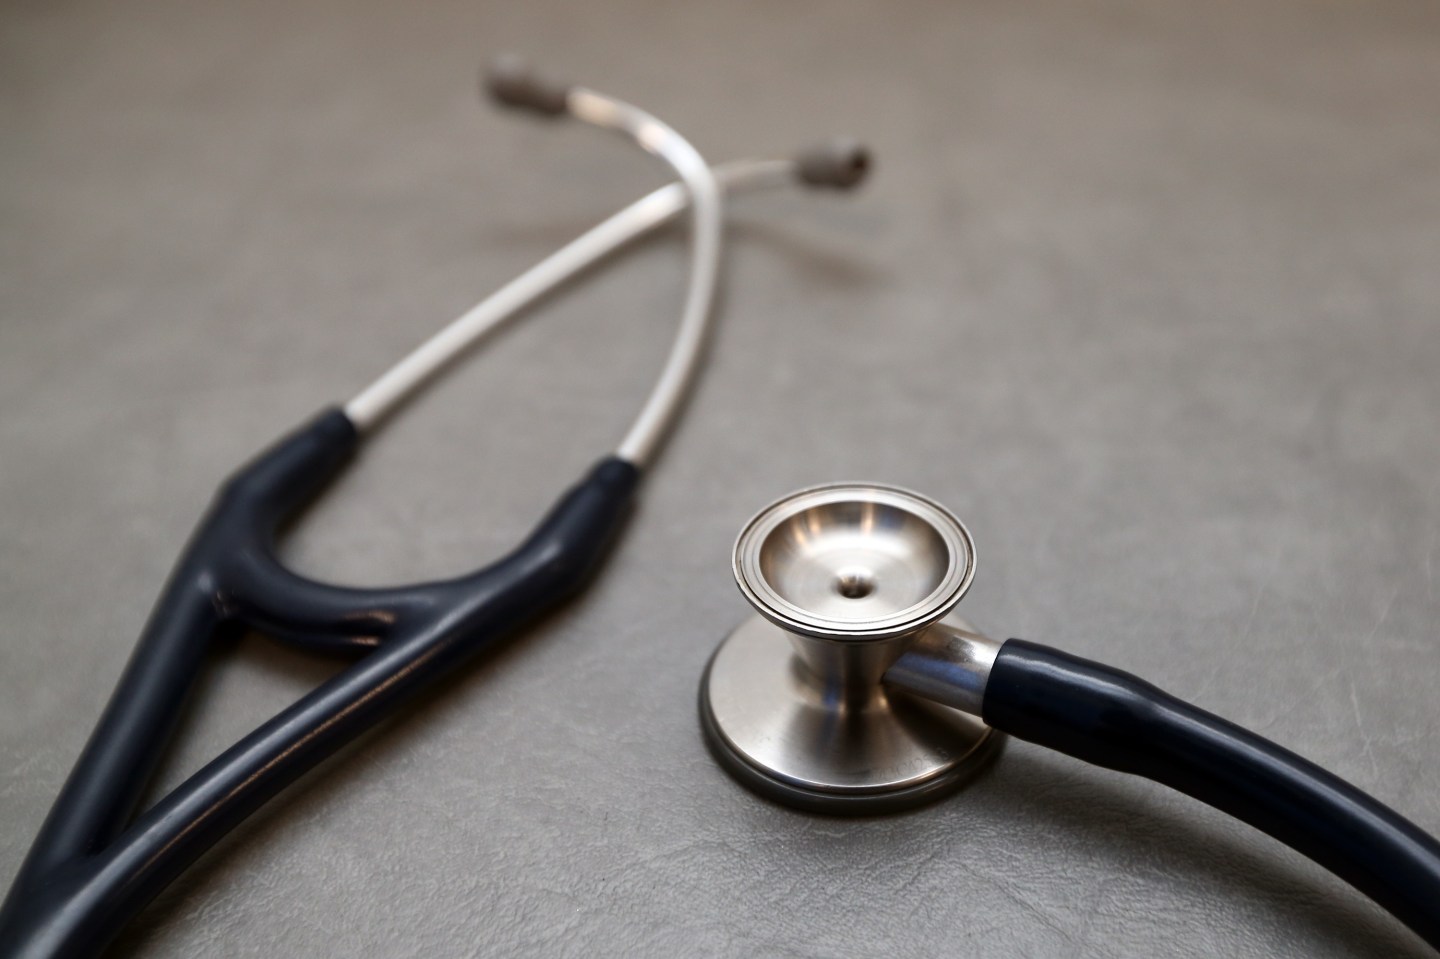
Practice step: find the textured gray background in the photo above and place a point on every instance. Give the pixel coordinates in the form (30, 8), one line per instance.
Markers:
(1147, 293)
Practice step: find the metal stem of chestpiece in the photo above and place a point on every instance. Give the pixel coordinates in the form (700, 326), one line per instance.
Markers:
(853, 690)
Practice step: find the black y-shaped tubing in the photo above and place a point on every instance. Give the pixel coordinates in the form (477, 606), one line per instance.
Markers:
(1116, 720)
(88, 872)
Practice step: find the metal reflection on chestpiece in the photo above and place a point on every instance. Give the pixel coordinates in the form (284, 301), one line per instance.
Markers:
(800, 702)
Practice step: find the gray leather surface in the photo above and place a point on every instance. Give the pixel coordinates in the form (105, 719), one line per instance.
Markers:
(1149, 293)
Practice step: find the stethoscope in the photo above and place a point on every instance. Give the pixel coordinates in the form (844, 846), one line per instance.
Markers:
(855, 690)
(92, 868)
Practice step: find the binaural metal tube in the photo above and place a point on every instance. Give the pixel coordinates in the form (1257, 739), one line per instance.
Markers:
(948, 665)
(642, 217)
(706, 218)
(839, 164)
(513, 83)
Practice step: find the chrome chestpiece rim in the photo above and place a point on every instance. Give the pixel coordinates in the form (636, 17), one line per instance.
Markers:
(845, 578)
(850, 562)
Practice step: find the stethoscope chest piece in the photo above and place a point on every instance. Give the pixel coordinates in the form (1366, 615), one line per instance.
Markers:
(844, 580)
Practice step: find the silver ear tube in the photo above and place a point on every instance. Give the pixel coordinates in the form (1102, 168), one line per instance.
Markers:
(840, 164)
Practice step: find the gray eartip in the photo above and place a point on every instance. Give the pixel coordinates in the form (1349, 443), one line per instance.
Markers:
(513, 82)
(841, 163)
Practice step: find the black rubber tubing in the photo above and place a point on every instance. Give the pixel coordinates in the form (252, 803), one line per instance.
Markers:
(90, 869)
(1113, 719)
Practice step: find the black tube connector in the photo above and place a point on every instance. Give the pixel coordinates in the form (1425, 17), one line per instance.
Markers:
(92, 867)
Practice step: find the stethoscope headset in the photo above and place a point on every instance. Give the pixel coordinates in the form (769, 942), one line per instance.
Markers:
(92, 867)
(854, 690)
